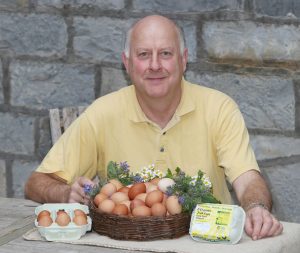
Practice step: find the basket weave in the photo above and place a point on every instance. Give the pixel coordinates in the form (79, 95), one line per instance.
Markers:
(139, 228)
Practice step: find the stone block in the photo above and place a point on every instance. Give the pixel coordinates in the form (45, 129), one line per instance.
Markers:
(48, 85)
(16, 134)
(277, 7)
(190, 34)
(3, 191)
(10, 5)
(271, 147)
(112, 80)
(253, 41)
(185, 6)
(1, 85)
(45, 142)
(101, 4)
(284, 185)
(100, 39)
(21, 170)
(266, 102)
(32, 35)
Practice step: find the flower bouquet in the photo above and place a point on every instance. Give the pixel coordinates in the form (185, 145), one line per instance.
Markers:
(148, 204)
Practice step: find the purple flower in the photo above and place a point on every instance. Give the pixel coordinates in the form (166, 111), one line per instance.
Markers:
(181, 200)
(87, 188)
(169, 191)
(124, 166)
(138, 179)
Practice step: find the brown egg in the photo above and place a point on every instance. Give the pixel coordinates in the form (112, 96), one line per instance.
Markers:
(63, 219)
(116, 183)
(158, 209)
(118, 197)
(136, 189)
(135, 203)
(45, 221)
(155, 180)
(60, 211)
(106, 206)
(80, 220)
(153, 197)
(127, 203)
(173, 205)
(141, 211)
(108, 189)
(43, 213)
(78, 212)
(124, 189)
(141, 196)
(120, 209)
(99, 198)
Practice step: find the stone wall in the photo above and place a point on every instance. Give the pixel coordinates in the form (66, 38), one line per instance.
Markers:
(66, 52)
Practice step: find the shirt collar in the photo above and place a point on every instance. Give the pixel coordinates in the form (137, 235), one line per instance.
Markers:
(186, 105)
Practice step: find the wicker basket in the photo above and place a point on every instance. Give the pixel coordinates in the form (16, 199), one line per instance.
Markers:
(139, 228)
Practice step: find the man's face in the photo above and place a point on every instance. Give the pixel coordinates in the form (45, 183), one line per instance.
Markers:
(155, 64)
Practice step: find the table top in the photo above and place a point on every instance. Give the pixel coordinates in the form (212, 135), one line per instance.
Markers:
(17, 217)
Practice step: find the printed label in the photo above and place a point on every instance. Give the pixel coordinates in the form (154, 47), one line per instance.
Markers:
(212, 222)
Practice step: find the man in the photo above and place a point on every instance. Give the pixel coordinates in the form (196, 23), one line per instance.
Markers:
(160, 119)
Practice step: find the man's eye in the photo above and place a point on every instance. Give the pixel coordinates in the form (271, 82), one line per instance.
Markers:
(166, 53)
(143, 54)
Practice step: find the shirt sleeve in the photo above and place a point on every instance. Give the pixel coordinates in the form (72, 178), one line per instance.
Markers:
(74, 154)
(234, 151)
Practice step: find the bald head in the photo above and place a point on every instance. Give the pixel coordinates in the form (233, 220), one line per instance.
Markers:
(154, 23)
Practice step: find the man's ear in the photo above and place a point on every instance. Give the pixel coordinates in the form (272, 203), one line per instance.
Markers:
(184, 59)
(125, 61)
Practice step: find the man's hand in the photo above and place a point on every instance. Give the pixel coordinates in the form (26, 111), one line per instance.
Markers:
(261, 223)
(77, 193)
(252, 192)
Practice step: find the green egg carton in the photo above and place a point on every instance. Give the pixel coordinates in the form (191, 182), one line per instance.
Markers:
(55, 232)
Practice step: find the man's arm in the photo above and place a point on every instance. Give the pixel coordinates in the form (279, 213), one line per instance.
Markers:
(49, 188)
(254, 196)
(46, 188)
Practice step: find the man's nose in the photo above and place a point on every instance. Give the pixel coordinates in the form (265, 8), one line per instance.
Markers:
(155, 63)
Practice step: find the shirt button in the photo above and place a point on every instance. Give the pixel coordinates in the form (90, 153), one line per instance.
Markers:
(162, 149)
(164, 133)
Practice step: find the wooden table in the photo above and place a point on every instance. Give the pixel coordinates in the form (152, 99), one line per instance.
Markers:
(17, 217)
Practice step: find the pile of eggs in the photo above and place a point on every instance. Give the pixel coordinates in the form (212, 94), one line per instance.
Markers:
(61, 217)
(139, 199)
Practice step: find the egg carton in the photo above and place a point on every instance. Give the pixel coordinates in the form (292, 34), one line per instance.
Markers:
(55, 232)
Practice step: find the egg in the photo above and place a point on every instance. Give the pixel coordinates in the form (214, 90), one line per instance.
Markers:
(127, 203)
(120, 209)
(164, 183)
(153, 197)
(118, 197)
(151, 187)
(45, 221)
(108, 189)
(99, 198)
(141, 211)
(135, 203)
(141, 196)
(106, 206)
(155, 180)
(80, 220)
(63, 219)
(124, 189)
(43, 213)
(79, 212)
(158, 209)
(173, 205)
(116, 183)
(136, 189)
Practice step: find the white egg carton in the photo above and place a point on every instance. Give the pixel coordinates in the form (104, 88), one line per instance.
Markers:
(63, 233)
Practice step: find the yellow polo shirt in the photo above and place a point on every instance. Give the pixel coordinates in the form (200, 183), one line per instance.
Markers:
(207, 132)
